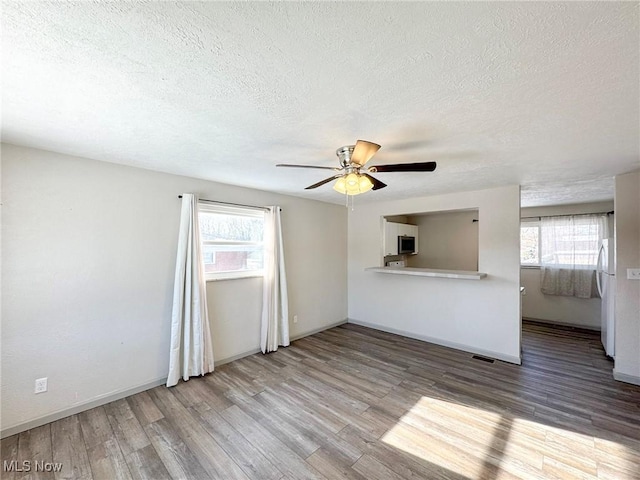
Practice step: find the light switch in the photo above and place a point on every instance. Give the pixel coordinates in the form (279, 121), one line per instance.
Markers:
(633, 273)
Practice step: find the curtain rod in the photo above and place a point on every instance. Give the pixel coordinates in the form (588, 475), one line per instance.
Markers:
(569, 215)
(255, 207)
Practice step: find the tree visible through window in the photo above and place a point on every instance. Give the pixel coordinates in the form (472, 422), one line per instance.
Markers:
(232, 240)
(530, 243)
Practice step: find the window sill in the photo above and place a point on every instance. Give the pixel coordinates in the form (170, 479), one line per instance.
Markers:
(530, 267)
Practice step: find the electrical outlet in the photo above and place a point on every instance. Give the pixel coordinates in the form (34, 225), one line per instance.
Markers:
(295, 319)
(41, 385)
(633, 273)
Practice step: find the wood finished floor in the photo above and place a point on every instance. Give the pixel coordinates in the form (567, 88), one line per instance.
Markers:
(356, 403)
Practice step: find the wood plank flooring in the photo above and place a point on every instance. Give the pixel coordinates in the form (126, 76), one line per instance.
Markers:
(355, 403)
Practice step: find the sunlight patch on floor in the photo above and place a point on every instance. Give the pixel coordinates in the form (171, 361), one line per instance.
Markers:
(434, 431)
(477, 443)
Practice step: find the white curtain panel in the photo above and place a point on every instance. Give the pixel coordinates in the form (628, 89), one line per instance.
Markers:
(568, 283)
(191, 347)
(569, 252)
(275, 310)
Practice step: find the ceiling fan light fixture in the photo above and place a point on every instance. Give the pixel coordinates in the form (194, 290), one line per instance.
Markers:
(340, 185)
(352, 181)
(353, 184)
(365, 184)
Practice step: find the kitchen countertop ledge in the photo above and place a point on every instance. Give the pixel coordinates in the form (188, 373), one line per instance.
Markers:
(429, 272)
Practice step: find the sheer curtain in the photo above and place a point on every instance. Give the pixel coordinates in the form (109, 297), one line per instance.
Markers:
(275, 310)
(569, 252)
(191, 351)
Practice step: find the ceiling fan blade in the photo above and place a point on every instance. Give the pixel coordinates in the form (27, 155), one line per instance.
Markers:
(377, 184)
(305, 166)
(406, 167)
(363, 152)
(319, 184)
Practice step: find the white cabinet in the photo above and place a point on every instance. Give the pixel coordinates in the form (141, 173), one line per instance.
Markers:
(403, 229)
(391, 238)
(407, 230)
(392, 231)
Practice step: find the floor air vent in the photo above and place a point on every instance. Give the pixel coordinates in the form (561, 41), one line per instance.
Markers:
(484, 359)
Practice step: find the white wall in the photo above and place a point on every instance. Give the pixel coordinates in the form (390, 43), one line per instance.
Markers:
(88, 257)
(558, 310)
(627, 309)
(580, 312)
(481, 316)
(447, 241)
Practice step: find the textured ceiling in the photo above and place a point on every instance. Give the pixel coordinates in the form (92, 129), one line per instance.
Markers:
(543, 94)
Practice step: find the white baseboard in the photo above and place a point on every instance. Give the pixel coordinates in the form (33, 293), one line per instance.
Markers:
(80, 407)
(112, 397)
(623, 377)
(291, 339)
(439, 341)
(318, 330)
(233, 358)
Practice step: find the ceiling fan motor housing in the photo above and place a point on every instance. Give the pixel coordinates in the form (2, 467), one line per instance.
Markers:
(344, 154)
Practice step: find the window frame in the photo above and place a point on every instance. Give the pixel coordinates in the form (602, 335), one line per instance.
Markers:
(239, 211)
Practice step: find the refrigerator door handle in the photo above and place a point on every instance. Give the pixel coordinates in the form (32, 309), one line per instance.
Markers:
(599, 271)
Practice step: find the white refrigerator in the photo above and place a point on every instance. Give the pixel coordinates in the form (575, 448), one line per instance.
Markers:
(606, 280)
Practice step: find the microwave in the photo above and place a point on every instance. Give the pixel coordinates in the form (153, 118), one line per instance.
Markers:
(406, 244)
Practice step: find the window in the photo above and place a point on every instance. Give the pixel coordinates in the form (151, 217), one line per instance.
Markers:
(570, 241)
(530, 243)
(232, 241)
